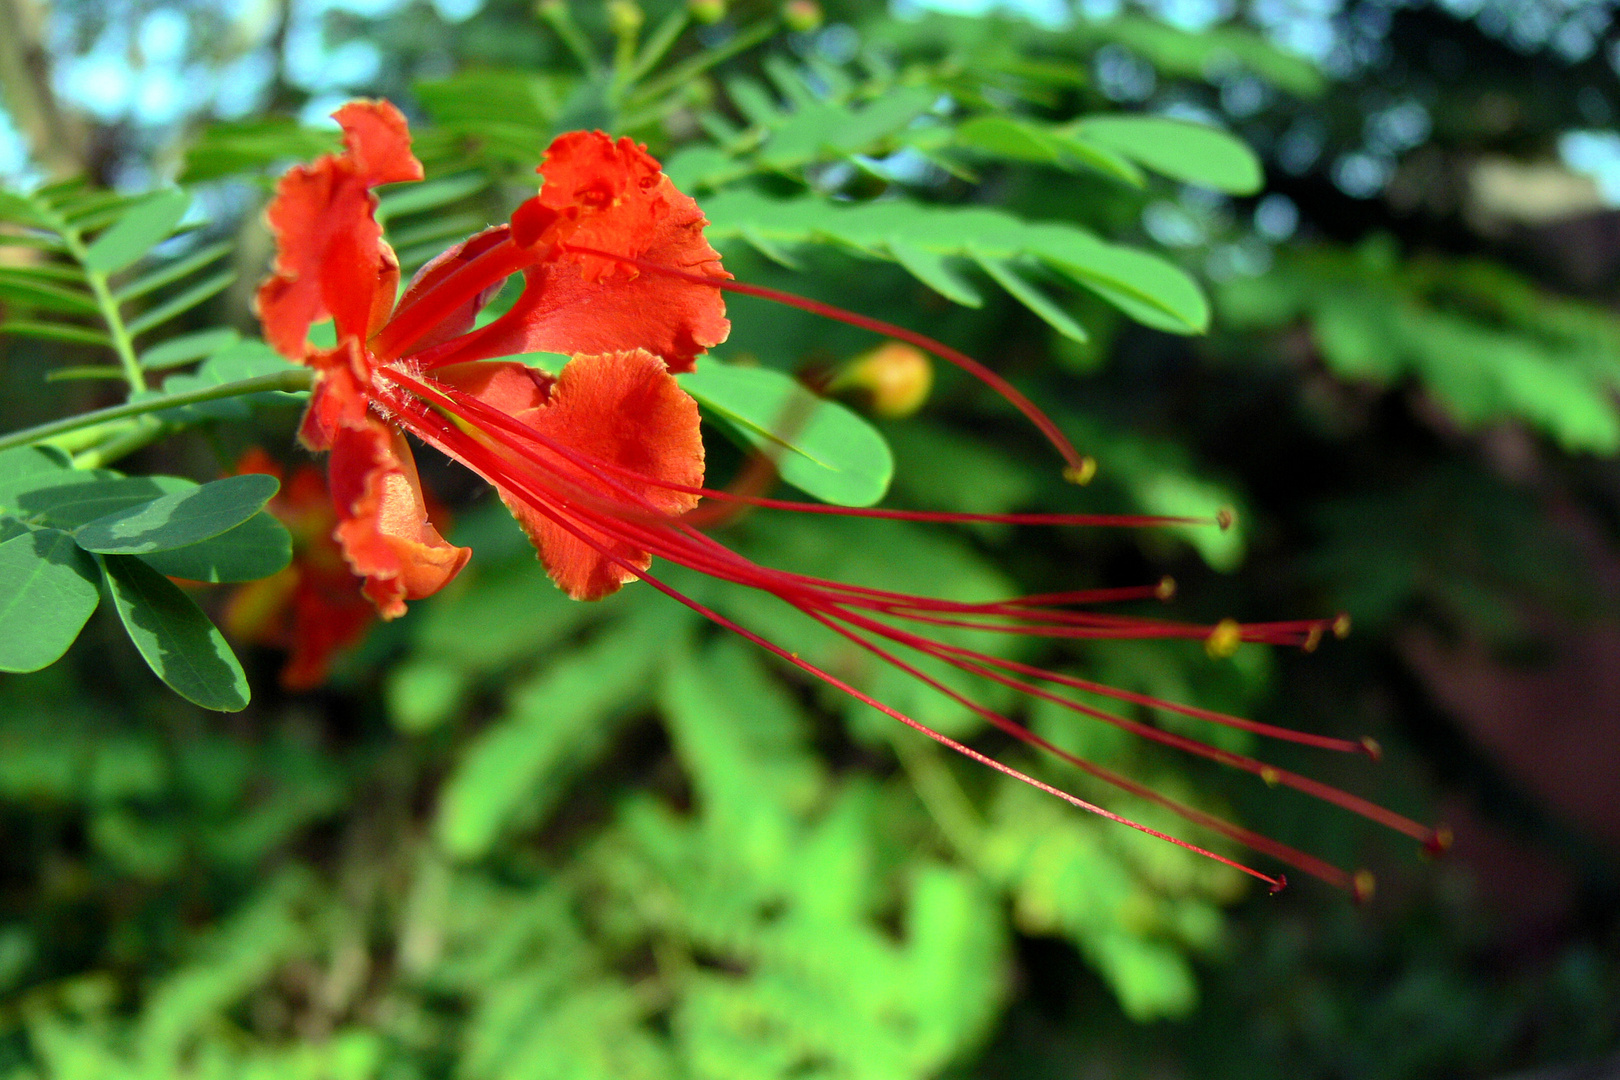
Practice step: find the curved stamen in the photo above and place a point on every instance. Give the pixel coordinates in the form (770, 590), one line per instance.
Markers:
(488, 461)
(529, 466)
(1078, 465)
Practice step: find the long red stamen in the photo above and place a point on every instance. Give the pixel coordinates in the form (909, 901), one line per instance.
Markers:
(628, 517)
(1078, 465)
(498, 471)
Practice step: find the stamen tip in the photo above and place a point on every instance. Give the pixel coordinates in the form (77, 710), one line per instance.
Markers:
(1225, 518)
(1313, 638)
(1370, 746)
(1081, 472)
(1341, 626)
(1224, 639)
(1279, 884)
(1166, 589)
(1439, 841)
(1269, 775)
(1362, 886)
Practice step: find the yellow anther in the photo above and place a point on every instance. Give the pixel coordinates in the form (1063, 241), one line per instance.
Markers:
(1363, 885)
(1225, 517)
(1166, 589)
(1269, 775)
(1341, 626)
(1224, 640)
(1082, 473)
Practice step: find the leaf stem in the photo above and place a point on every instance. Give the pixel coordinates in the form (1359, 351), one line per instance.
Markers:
(657, 45)
(557, 15)
(694, 66)
(140, 433)
(290, 381)
(123, 344)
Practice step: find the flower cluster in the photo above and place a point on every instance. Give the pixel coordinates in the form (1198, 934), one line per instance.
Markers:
(603, 464)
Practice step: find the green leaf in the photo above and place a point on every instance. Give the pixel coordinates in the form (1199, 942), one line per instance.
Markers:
(175, 638)
(74, 335)
(182, 302)
(21, 210)
(932, 270)
(1146, 287)
(257, 548)
(28, 291)
(142, 227)
(1031, 297)
(1181, 150)
(818, 446)
(1006, 137)
(239, 360)
(557, 724)
(48, 588)
(224, 149)
(75, 498)
(187, 348)
(395, 201)
(23, 468)
(180, 519)
(173, 271)
(1098, 157)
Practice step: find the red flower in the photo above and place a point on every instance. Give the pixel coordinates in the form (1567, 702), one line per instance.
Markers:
(332, 262)
(311, 608)
(603, 464)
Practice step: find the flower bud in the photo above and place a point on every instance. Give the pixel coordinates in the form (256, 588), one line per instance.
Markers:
(801, 15)
(893, 379)
(625, 17)
(707, 12)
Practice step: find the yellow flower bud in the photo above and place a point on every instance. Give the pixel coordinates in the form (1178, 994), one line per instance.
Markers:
(893, 379)
(707, 12)
(625, 17)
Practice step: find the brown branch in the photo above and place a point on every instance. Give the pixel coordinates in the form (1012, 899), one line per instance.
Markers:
(55, 137)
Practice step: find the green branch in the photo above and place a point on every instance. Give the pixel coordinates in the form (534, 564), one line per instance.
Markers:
(290, 381)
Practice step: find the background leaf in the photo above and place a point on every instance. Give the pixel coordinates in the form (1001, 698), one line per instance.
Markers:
(137, 231)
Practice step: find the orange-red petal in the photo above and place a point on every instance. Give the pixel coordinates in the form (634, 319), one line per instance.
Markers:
(612, 197)
(330, 256)
(383, 520)
(623, 409)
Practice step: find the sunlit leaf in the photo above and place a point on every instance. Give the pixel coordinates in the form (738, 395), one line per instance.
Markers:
(819, 446)
(257, 548)
(137, 231)
(1181, 150)
(179, 519)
